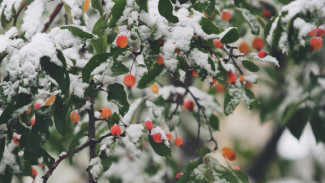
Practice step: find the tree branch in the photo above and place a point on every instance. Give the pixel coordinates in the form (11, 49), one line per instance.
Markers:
(52, 16)
(91, 135)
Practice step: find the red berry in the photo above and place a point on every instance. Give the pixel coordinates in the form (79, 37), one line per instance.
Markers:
(157, 138)
(129, 80)
(320, 32)
(178, 141)
(262, 54)
(34, 172)
(189, 105)
(122, 41)
(258, 43)
(312, 33)
(178, 175)
(220, 87)
(116, 130)
(217, 43)
(226, 15)
(169, 136)
(267, 13)
(160, 60)
(149, 125)
(231, 77)
(316, 43)
(37, 105)
(194, 73)
(32, 121)
(16, 139)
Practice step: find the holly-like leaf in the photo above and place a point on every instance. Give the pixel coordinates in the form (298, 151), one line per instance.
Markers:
(165, 9)
(117, 12)
(150, 77)
(78, 32)
(160, 148)
(250, 66)
(117, 95)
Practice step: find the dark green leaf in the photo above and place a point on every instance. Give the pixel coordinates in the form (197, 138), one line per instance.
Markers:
(117, 12)
(241, 176)
(97, 4)
(165, 8)
(188, 170)
(214, 121)
(208, 27)
(94, 62)
(298, 121)
(143, 4)
(60, 115)
(118, 69)
(2, 147)
(150, 77)
(318, 125)
(117, 95)
(250, 100)
(34, 155)
(250, 66)
(251, 20)
(100, 44)
(222, 75)
(59, 74)
(230, 36)
(78, 32)
(160, 148)
(277, 34)
(232, 99)
(114, 119)
(204, 151)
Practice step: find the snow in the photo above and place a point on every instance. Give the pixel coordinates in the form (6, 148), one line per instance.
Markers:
(9, 159)
(5, 39)
(302, 6)
(201, 59)
(77, 87)
(10, 4)
(134, 132)
(207, 101)
(32, 18)
(269, 37)
(76, 10)
(304, 28)
(63, 38)
(268, 58)
(96, 167)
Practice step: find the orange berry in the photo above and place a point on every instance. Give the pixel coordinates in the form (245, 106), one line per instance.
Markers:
(189, 105)
(258, 43)
(229, 154)
(32, 121)
(34, 172)
(74, 117)
(244, 48)
(149, 125)
(226, 15)
(16, 140)
(320, 32)
(122, 41)
(37, 105)
(116, 130)
(160, 60)
(312, 33)
(50, 101)
(220, 87)
(157, 138)
(105, 112)
(236, 168)
(169, 136)
(178, 175)
(86, 5)
(29, 110)
(129, 80)
(217, 43)
(154, 88)
(267, 13)
(178, 141)
(214, 81)
(262, 54)
(316, 43)
(194, 73)
(231, 77)
(242, 78)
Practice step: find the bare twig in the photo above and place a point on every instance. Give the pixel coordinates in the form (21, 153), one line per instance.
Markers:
(52, 16)
(17, 15)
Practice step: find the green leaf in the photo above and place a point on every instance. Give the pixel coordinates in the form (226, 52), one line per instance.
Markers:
(208, 27)
(298, 121)
(165, 9)
(118, 69)
(106, 162)
(143, 4)
(60, 115)
(249, 99)
(101, 25)
(277, 34)
(19, 101)
(222, 74)
(251, 20)
(4, 21)
(2, 147)
(34, 156)
(96, 4)
(114, 119)
(78, 32)
(117, 95)
(318, 126)
(232, 99)
(214, 121)
(204, 151)
(250, 66)
(230, 35)
(117, 12)
(188, 170)
(150, 77)
(94, 62)
(241, 176)
(100, 44)
(59, 74)
(160, 148)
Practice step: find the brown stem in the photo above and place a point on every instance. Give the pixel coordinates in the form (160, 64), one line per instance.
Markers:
(91, 135)
(52, 16)
(17, 15)
(73, 151)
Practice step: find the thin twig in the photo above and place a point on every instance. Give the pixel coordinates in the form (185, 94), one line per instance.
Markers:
(52, 16)
(17, 15)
